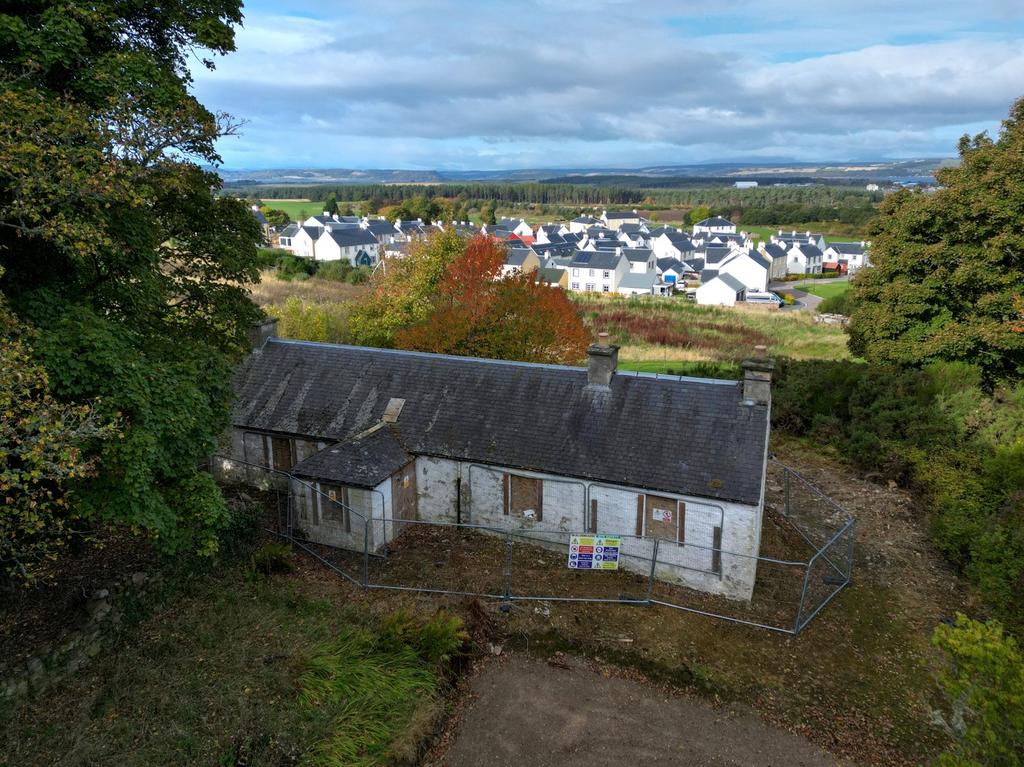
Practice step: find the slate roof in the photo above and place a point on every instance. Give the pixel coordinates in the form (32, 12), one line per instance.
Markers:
(550, 275)
(290, 231)
(351, 237)
(516, 256)
(678, 435)
(713, 254)
(674, 264)
(774, 251)
(732, 282)
(618, 215)
(638, 255)
(585, 220)
(595, 259)
(378, 227)
(639, 280)
(706, 275)
(260, 218)
(697, 264)
(847, 248)
(365, 461)
(810, 251)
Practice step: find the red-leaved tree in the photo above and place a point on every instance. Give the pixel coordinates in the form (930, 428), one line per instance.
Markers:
(478, 313)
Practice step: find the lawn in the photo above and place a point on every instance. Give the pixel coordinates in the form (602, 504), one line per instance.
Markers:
(826, 289)
(833, 230)
(297, 208)
(675, 336)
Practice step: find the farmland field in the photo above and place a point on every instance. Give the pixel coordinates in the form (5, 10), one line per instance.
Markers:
(295, 208)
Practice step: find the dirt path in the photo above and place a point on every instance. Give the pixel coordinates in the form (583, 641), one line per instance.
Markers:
(527, 712)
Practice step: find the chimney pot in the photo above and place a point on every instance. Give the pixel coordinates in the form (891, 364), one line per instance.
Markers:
(757, 377)
(261, 332)
(602, 362)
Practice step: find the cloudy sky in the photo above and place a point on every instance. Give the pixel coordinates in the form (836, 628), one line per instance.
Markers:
(476, 84)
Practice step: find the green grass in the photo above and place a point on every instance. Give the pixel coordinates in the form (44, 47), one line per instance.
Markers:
(832, 230)
(296, 208)
(239, 670)
(826, 289)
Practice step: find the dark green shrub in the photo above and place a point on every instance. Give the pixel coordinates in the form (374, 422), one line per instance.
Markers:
(360, 275)
(292, 267)
(840, 304)
(267, 258)
(334, 270)
(272, 558)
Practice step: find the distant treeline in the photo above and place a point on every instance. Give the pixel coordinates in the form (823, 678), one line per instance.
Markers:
(768, 205)
(689, 182)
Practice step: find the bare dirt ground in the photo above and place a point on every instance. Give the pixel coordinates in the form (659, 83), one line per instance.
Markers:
(541, 714)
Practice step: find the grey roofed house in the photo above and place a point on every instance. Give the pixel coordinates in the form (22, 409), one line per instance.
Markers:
(637, 255)
(366, 460)
(352, 236)
(632, 229)
(596, 259)
(516, 256)
(380, 226)
(260, 218)
(697, 264)
(489, 412)
(774, 251)
(673, 264)
(313, 231)
(550, 275)
(608, 244)
(664, 229)
(572, 237)
(558, 262)
(554, 248)
(706, 275)
(586, 220)
(290, 231)
(848, 248)
(811, 251)
(732, 282)
(758, 258)
(714, 254)
(595, 232)
(618, 215)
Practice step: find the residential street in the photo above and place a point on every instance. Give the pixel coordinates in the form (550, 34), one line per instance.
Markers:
(808, 300)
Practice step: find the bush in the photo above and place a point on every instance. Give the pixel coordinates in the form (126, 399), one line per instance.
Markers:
(936, 431)
(360, 275)
(984, 688)
(273, 558)
(292, 267)
(435, 640)
(311, 321)
(839, 304)
(338, 271)
(267, 258)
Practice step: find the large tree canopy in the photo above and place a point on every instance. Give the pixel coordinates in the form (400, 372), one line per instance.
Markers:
(116, 249)
(449, 297)
(948, 267)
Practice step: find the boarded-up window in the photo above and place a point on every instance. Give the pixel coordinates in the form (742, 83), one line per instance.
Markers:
(663, 518)
(524, 496)
(282, 447)
(334, 505)
(255, 448)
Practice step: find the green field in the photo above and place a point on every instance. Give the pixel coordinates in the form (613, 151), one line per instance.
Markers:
(825, 289)
(296, 208)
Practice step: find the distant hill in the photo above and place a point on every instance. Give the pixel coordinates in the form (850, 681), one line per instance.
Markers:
(765, 172)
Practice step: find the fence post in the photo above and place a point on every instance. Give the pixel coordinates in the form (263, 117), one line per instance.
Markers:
(785, 478)
(654, 564)
(366, 550)
(803, 594)
(852, 527)
(508, 566)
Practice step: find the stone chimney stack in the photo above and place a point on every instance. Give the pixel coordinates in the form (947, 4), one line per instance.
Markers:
(602, 361)
(757, 377)
(261, 331)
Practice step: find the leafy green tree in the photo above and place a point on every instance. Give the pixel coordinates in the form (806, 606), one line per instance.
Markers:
(948, 267)
(699, 213)
(487, 214)
(984, 686)
(276, 217)
(331, 204)
(118, 251)
(43, 453)
(404, 289)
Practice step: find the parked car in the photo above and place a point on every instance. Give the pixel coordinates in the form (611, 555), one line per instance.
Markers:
(763, 298)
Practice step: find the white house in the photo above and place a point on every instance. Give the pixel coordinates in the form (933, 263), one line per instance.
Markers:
(284, 239)
(788, 239)
(672, 244)
(641, 260)
(353, 244)
(852, 255)
(305, 239)
(581, 224)
(714, 225)
(749, 267)
(550, 233)
(598, 271)
(723, 290)
(613, 219)
(441, 439)
(673, 271)
(518, 227)
(804, 259)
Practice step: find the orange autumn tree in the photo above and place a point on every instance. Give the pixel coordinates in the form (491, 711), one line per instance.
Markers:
(476, 312)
